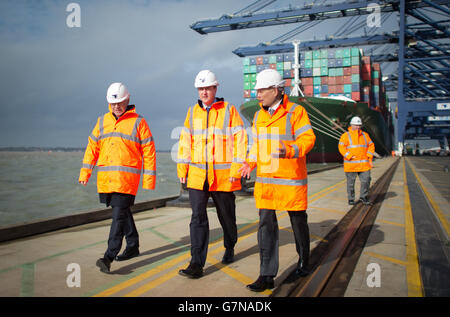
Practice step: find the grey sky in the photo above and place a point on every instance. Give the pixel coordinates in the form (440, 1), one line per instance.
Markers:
(54, 78)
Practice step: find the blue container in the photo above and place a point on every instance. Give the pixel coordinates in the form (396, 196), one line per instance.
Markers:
(289, 57)
(331, 62)
(287, 74)
(324, 89)
(339, 62)
(266, 60)
(316, 89)
(280, 58)
(356, 87)
(253, 93)
(308, 72)
(252, 60)
(259, 68)
(331, 53)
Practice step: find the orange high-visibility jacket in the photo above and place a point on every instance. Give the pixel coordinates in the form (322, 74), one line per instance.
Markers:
(357, 149)
(212, 146)
(122, 149)
(281, 183)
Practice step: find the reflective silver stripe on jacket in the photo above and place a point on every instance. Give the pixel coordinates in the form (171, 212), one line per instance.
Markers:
(133, 137)
(119, 169)
(216, 166)
(88, 166)
(225, 130)
(351, 146)
(93, 137)
(148, 172)
(120, 135)
(288, 135)
(361, 161)
(282, 181)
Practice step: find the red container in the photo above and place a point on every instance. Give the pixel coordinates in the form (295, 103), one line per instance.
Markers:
(376, 66)
(246, 93)
(307, 81)
(273, 66)
(347, 79)
(356, 96)
(331, 89)
(324, 80)
(355, 69)
(259, 60)
(308, 90)
(339, 89)
(287, 82)
(339, 80)
(347, 71)
(331, 80)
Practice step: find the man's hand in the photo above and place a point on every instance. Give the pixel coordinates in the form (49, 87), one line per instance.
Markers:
(245, 170)
(183, 180)
(281, 152)
(84, 183)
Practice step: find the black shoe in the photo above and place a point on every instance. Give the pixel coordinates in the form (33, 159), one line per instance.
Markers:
(104, 264)
(365, 201)
(302, 269)
(127, 254)
(261, 284)
(228, 257)
(194, 270)
(351, 202)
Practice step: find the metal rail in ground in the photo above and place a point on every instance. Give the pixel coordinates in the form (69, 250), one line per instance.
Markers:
(333, 262)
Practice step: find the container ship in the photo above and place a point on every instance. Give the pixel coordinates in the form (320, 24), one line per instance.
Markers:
(336, 84)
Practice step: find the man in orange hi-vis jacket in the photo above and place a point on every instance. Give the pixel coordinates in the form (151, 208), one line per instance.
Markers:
(358, 150)
(122, 147)
(211, 150)
(282, 136)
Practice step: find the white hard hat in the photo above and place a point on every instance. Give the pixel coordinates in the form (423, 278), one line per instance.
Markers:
(205, 78)
(356, 121)
(268, 78)
(117, 92)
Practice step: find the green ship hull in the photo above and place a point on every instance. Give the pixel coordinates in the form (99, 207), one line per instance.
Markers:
(326, 116)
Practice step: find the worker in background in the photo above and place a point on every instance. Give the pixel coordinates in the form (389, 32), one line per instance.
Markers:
(120, 144)
(211, 150)
(282, 136)
(358, 150)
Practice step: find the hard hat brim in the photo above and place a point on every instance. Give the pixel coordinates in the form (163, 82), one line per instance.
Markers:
(116, 100)
(207, 85)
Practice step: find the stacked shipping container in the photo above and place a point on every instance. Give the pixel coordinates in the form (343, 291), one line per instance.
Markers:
(323, 73)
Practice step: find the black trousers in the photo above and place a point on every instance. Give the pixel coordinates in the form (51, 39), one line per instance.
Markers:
(268, 239)
(122, 225)
(199, 225)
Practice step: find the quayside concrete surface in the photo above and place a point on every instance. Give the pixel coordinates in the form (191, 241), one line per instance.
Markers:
(62, 263)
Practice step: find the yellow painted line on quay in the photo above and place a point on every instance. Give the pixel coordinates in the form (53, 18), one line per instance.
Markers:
(414, 280)
(435, 206)
(173, 262)
(386, 258)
